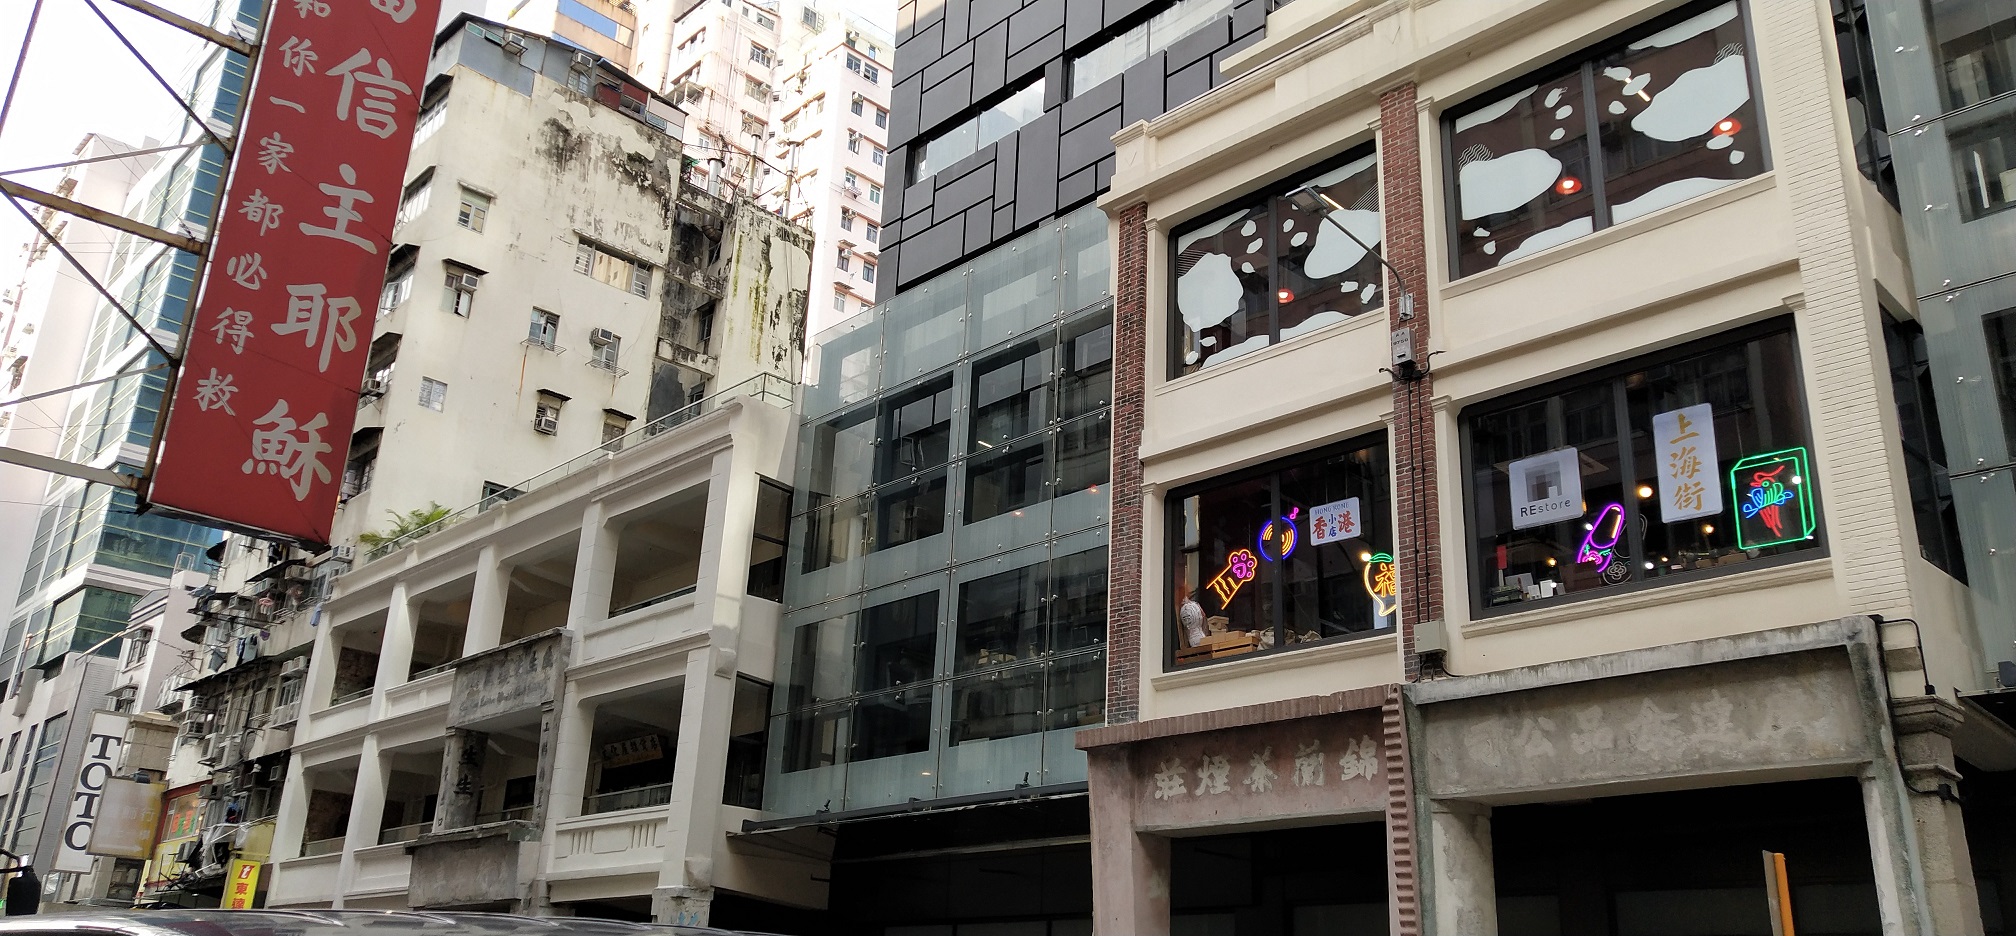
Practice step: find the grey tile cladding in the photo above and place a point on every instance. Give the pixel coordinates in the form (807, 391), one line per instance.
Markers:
(954, 56)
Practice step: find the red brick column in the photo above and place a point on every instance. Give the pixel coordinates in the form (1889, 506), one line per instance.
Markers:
(1418, 539)
(1130, 368)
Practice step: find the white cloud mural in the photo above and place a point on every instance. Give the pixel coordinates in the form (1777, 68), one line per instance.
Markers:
(1334, 253)
(1209, 292)
(1494, 186)
(1695, 101)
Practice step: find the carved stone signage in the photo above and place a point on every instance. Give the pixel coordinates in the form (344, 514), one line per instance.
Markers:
(1303, 768)
(524, 674)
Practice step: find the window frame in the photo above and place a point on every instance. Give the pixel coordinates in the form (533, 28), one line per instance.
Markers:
(1639, 360)
(1584, 59)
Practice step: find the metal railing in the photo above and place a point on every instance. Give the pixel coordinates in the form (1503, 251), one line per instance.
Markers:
(328, 846)
(767, 388)
(648, 602)
(522, 813)
(620, 800)
(351, 696)
(404, 833)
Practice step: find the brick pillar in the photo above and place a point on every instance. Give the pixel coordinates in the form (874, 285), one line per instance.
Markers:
(1130, 368)
(1417, 541)
(1402, 866)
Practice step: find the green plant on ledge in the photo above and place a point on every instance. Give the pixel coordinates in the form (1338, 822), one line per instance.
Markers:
(406, 524)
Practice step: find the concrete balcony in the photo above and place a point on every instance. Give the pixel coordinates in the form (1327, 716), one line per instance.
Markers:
(609, 844)
(482, 866)
(429, 692)
(663, 621)
(302, 881)
(381, 870)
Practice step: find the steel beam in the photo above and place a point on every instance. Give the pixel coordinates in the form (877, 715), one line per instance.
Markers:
(13, 456)
(188, 25)
(101, 216)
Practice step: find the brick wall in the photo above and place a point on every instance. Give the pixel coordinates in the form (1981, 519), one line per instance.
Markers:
(1130, 368)
(1418, 540)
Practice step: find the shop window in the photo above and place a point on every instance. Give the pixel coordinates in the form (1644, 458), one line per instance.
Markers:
(768, 540)
(1663, 115)
(1670, 467)
(1924, 447)
(1866, 123)
(916, 430)
(1287, 554)
(748, 736)
(1262, 272)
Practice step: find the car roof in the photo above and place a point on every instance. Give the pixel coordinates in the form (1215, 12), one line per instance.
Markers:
(334, 923)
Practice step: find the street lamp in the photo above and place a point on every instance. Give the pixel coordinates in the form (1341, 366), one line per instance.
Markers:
(1311, 200)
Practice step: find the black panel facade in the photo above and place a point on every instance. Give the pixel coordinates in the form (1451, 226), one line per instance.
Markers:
(955, 58)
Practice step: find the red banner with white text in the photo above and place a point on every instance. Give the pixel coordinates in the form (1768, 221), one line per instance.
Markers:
(274, 354)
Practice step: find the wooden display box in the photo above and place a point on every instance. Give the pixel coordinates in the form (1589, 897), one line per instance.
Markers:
(1231, 643)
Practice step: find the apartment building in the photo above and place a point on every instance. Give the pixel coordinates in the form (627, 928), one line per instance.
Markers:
(559, 707)
(553, 283)
(788, 102)
(1527, 509)
(606, 28)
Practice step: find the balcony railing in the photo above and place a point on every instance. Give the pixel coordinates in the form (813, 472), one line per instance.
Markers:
(621, 800)
(767, 388)
(519, 813)
(648, 602)
(328, 846)
(350, 696)
(404, 833)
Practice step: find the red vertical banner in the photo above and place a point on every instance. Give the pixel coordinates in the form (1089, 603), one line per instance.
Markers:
(273, 355)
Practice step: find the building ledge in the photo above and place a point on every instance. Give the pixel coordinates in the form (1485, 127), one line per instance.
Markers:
(1350, 700)
(1371, 645)
(510, 830)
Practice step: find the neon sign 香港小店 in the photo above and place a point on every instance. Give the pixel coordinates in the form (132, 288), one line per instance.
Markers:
(1774, 499)
(1240, 567)
(1599, 545)
(1382, 582)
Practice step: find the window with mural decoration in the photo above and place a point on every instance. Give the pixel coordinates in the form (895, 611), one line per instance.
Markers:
(1261, 271)
(1296, 552)
(1667, 113)
(1670, 467)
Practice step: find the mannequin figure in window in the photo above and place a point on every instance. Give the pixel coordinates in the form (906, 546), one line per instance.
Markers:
(1190, 615)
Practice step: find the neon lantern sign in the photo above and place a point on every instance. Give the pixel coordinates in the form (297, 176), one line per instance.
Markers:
(1599, 545)
(1240, 567)
(1774, 499)
(1287, 536)
(1382, 583)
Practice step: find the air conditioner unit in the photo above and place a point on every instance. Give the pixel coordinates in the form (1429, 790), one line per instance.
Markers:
(207, 791)
(231, 753)
(601, 337)
(514, 44)
(582, 62)
(286, 713)
(294, 668)
(470, 281)
(549, 425)
(298, 573)
(344, 553)
(374, 387)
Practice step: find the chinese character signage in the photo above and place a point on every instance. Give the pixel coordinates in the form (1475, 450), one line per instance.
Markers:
(274, 353)
(633, 751)
(1337, 520)
(1545, 488)
(1774, 499)
(1687, 463)
(241, 884)
(1296, 769)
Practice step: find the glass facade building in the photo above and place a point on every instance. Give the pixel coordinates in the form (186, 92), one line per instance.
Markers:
(945, 587)
(1949, 102)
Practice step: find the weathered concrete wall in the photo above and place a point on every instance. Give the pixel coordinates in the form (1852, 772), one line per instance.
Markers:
(471, 871)
(521, 675)
(1740, 716)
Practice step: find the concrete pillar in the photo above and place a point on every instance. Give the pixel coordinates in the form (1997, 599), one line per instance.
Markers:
(1462, 898)
(594, 569)
(461, 779)
(367, 813)
(292, 819)
(698, 773)
(1130, 870)
(1924, 728)
(486, 606)
(321, 679)
(542, 775)
(395, 651)
(570, 757)
(682, 906)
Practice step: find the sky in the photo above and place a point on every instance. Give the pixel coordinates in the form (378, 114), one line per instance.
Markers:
(78, 79)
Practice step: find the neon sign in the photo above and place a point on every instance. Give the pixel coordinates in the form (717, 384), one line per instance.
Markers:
(1774, 499)
(1599, 545)
(1240, 567)
(1382, 582)
(1287, 536)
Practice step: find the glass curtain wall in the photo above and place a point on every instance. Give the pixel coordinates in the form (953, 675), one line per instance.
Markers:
(1949, 95)
(945, 593)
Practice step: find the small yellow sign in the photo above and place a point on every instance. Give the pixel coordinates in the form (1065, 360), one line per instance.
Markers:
(241, 885)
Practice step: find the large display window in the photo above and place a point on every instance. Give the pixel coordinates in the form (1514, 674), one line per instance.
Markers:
(1665, 468)
(1288, 554)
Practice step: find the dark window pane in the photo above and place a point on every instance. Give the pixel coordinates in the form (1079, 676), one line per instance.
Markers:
(1325, 585)
(1522, 174)
(842, 452)
(2000, 330)
(911, 510)
(1085, 373)
(837, 533)
(916, 430)
(1078, 601)
(892, 724)
(1977, 47)
(1004, 703)
(819, 671)
(1323, 276)
(898, 643)
(1924, 448)
(1678, 117)
(1224, 299)
(1011, 393)
(1076, 692)
(1084, 454)
(1217, 567)
(813, 738)
(1008, 477)
(1000, 619)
